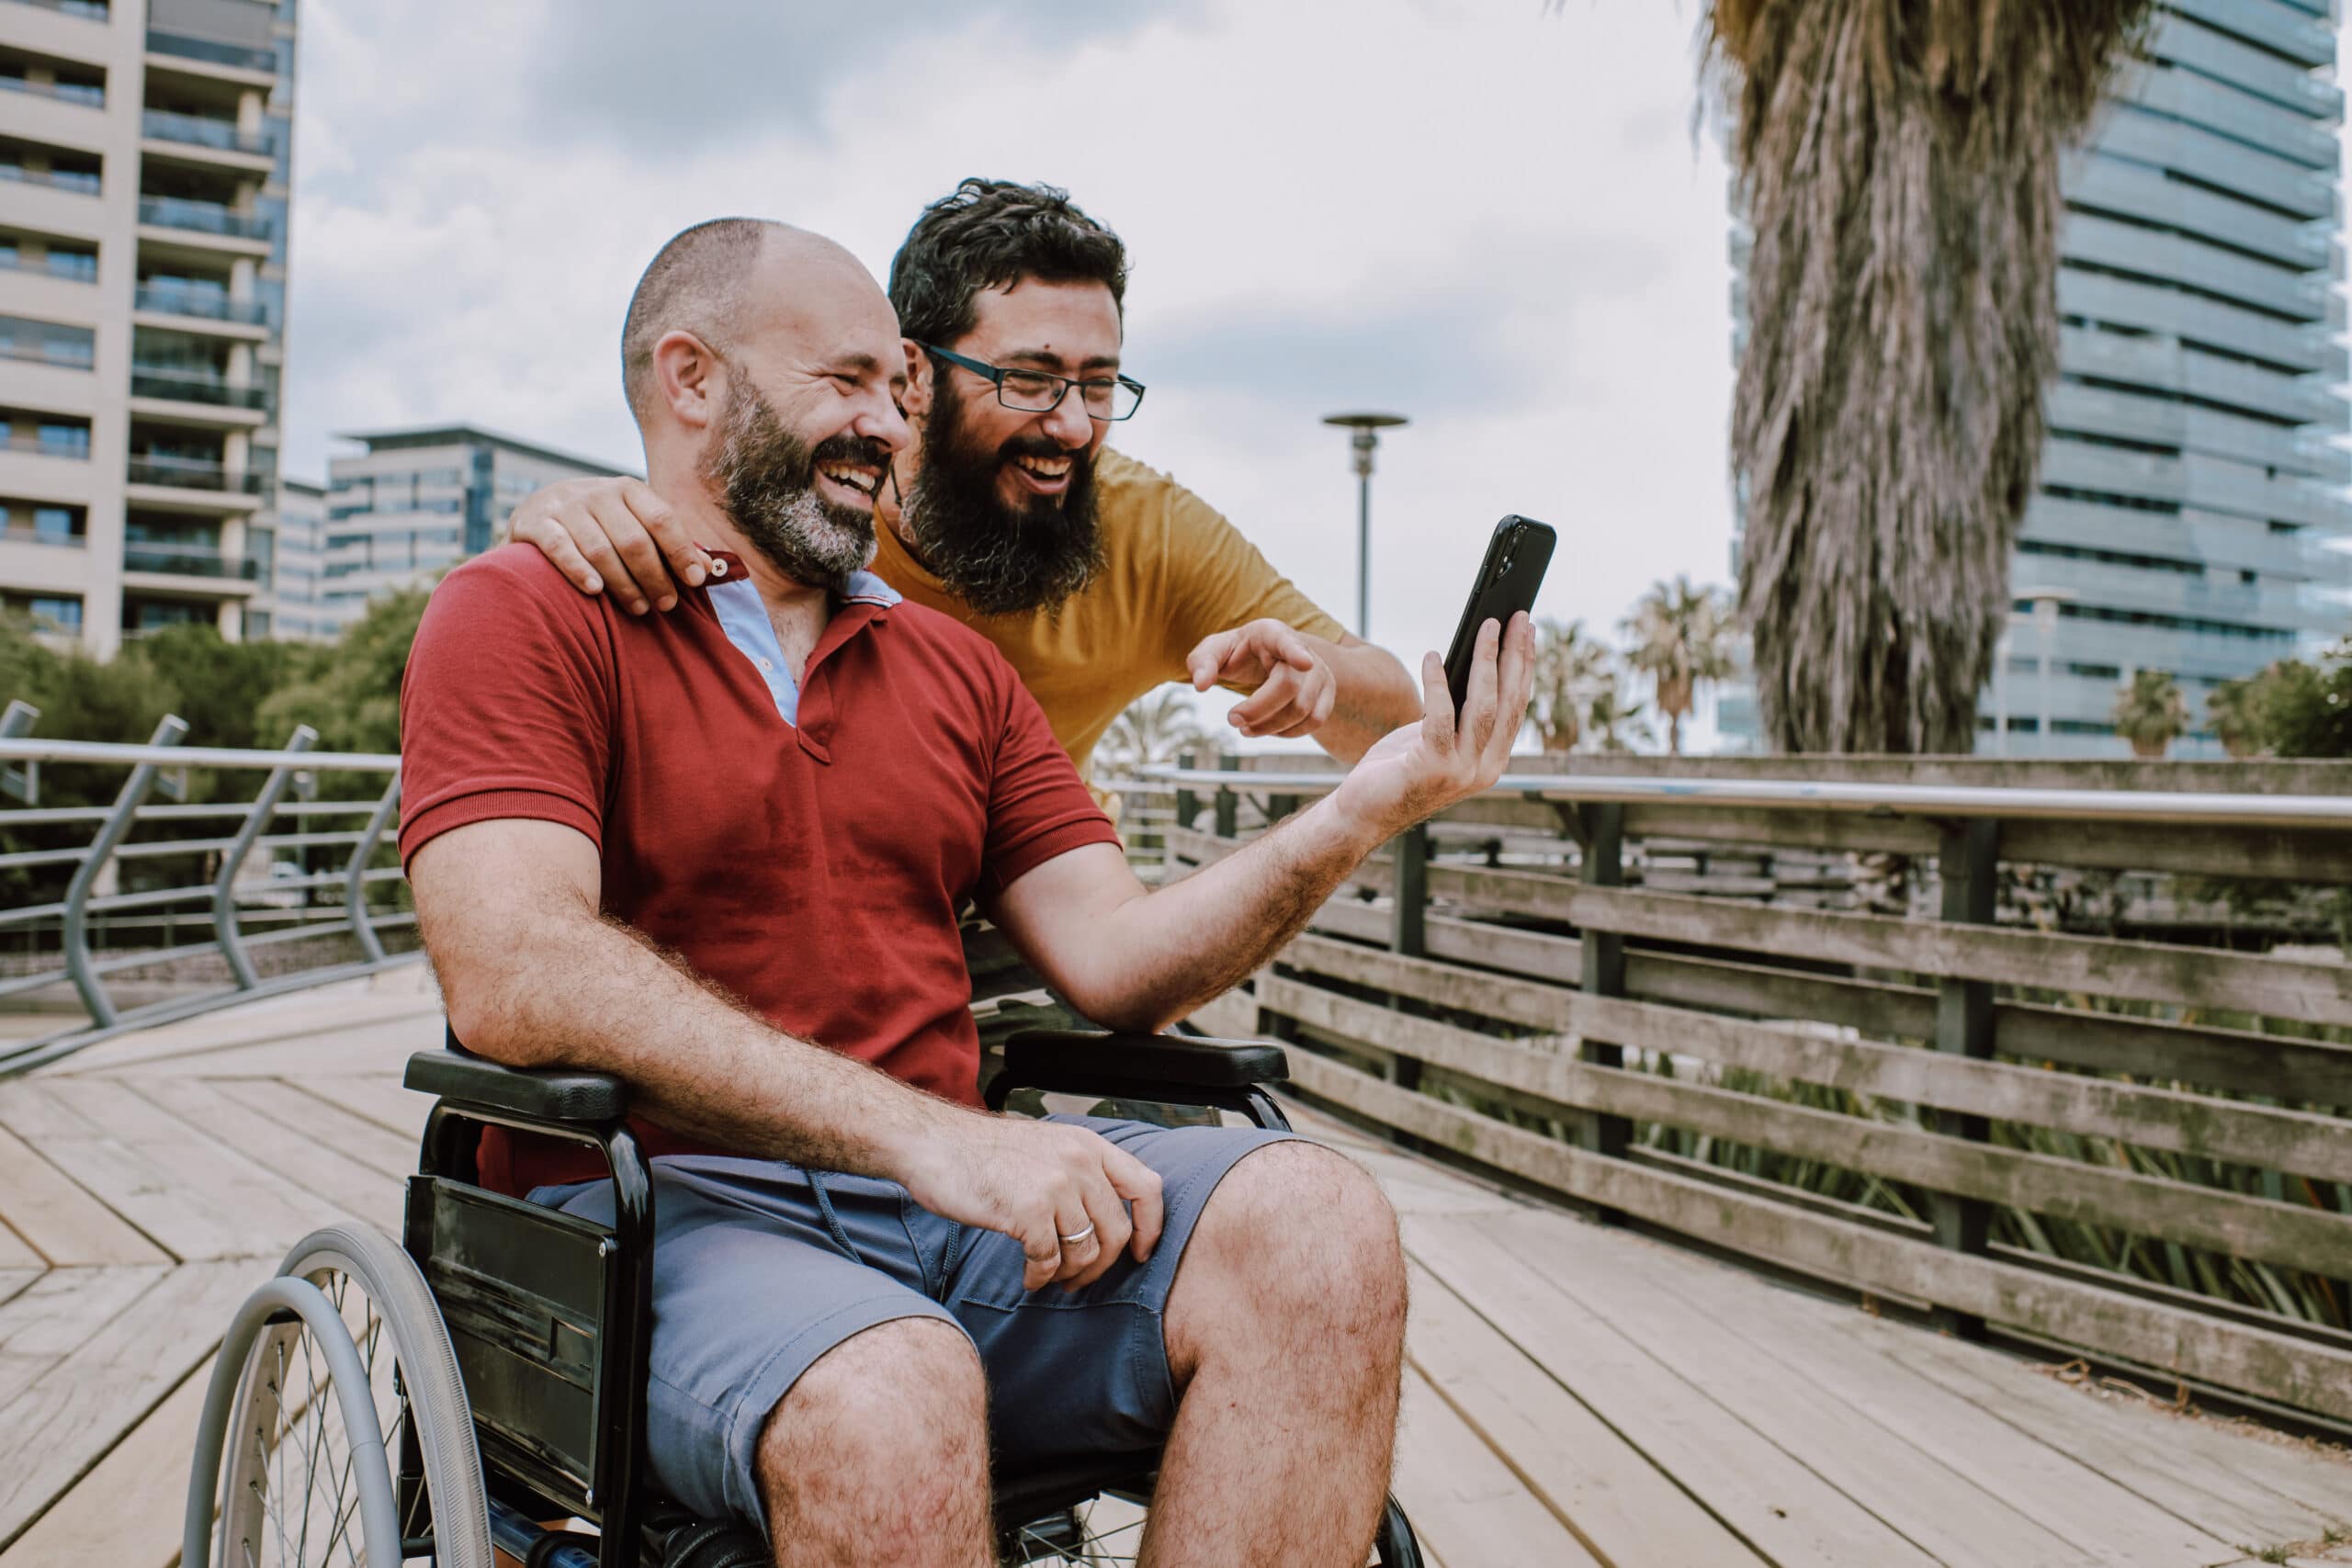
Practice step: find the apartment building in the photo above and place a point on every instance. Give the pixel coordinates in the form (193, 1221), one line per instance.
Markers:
(413, 503)
(145, 150)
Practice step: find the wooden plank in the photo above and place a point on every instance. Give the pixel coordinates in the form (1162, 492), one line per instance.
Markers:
(62, 1220)
(323, 1122)
(1762, 1494)
(2187, 1124)
(125, 1513)
(1467, 1500)
(2291, 1235)
(64, 1421)
(1233, 1016)
(2278, 988)
(1855, 1448)
(1619, 1503)
(2235, 1486)
(193, 1197)
(44, 1323)
(380, 1101)
(2276, 1366)
(1725, 1326)
(1793, 828)
(300, 1162)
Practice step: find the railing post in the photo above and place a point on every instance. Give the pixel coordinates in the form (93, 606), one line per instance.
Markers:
(1604, 976)
(1969, 860)
(1229, 804)
(355, 873)
(1187, 805)
(22, 784)
(77, 896)
(224, 900)
(1408, 916)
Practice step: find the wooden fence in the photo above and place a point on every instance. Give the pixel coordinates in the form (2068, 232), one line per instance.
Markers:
(1553, 983)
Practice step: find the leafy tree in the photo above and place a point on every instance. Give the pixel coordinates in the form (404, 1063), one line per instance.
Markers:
(352, 696)
(1897, 162)
(2233, 707)
(1571, 670)
(1682, 636)
(1613, 725)
(2304, 710)
(2151, 713)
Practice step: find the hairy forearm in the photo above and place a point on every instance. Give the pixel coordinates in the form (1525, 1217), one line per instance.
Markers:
(1374, 695)
(1173, 949)
(594, 994)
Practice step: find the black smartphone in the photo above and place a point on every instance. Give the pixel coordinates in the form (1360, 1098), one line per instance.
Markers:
(1507, 579)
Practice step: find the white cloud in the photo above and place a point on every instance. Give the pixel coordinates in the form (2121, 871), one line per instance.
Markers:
(1491, 217)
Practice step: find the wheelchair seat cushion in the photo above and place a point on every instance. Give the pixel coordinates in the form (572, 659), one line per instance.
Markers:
(752, 1285)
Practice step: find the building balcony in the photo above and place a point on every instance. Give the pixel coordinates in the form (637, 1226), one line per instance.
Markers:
(180, 50)
(203, 142)
(88, 10)
(203, 218)
(201, 311)
(180, 386)
(86, 93)
(79, 182)
(39, 446)
(193, 484)
(229, 572)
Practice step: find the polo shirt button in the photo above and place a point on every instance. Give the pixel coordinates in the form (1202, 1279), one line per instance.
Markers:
(719, 569)
(765, 668)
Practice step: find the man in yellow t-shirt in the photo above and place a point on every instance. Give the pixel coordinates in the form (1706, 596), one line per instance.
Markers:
(1098, 576)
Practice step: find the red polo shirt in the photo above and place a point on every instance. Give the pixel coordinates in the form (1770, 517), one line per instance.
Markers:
(814, 866)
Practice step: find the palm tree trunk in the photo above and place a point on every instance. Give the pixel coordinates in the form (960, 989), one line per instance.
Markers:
(1898, 164)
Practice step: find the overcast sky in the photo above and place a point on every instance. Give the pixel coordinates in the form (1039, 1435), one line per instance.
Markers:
(1489, 215)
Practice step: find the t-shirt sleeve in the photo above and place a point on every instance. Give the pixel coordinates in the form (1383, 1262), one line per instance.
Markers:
(1216, 580)
(506, 707)
(1038, 806)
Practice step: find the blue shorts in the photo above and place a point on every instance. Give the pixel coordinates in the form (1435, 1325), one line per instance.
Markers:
(751, 1286)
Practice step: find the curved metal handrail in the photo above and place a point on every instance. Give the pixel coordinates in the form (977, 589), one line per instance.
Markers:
(282, 800)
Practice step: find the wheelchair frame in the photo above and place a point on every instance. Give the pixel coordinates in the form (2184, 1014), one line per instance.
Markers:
(556, 1369)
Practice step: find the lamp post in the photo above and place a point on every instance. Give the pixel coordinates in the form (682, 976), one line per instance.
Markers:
(1367, 428)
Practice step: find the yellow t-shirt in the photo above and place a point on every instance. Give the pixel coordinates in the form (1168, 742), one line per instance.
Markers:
(1173, 573)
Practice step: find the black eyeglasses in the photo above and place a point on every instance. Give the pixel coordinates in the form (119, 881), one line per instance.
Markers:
(1040, 391)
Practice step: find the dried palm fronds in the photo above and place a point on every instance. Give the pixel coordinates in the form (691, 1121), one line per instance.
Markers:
(1898, 163)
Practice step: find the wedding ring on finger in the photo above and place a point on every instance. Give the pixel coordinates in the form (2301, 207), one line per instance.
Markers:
(1074, 1240)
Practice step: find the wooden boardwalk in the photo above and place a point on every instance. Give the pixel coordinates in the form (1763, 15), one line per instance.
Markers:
(1576, 1395)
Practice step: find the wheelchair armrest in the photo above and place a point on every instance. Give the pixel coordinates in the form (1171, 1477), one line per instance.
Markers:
(1070, 1059)
(552, 1097)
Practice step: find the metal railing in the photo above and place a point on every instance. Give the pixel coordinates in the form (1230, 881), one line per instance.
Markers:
(148, 827)
(189, 473)
(69, 266)
(167, 299)
(212, 53)
(90, 94)
(197, 131)
(82, 182)
(203, 217)
(154, 382)
(188, 563)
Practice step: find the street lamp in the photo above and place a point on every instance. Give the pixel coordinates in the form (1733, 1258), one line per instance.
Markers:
(1367, 428)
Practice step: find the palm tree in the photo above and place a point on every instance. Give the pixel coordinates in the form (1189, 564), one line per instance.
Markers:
(1682, 636)
(1152, 728)
(1613, 725)
(2151, 713)
(1897, 162)
(1571, 670)
(2234, 709)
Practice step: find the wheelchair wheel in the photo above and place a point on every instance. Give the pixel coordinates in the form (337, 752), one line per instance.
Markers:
(331, 1371)
(1109, 1530)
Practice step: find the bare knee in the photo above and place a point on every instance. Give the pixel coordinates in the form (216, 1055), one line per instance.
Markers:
(883, 1441)
(1299, 1243)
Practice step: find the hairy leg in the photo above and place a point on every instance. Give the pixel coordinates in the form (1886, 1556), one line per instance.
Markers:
(1285, 1335)
(879, 1454)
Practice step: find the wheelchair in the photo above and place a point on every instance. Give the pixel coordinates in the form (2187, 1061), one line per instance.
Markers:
(377, 1405)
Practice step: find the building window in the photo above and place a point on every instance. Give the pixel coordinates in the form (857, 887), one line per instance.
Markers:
(256, 623)
(47, 342)
(59, 439)
(58, 614)
(57, 524)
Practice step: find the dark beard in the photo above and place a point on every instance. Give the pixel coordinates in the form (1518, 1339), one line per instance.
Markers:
(765, 478)
(999, 560)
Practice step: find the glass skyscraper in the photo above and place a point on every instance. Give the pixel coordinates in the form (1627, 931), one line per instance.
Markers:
(2193, 481)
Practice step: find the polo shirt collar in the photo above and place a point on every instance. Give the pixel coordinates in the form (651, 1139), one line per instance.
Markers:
(863, 588)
